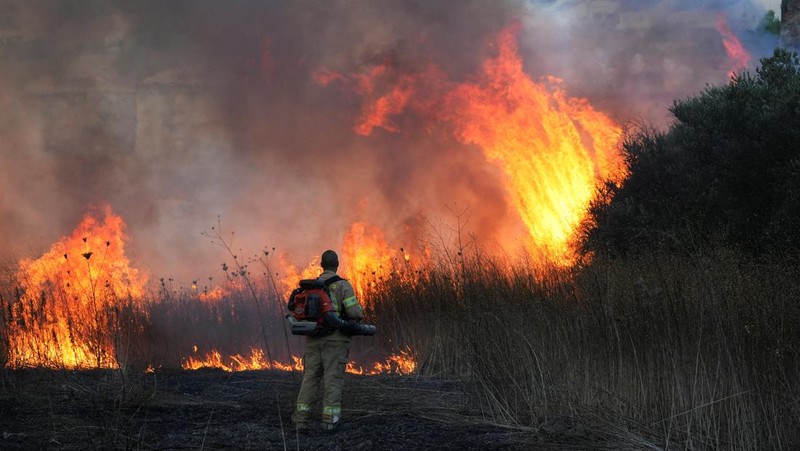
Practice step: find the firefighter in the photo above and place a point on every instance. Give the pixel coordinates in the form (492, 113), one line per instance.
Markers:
(326, 356)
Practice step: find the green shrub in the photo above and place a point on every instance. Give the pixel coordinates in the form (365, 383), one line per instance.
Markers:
(727, 172)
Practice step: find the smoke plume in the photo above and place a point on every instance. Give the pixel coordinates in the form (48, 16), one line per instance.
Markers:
(175, 113)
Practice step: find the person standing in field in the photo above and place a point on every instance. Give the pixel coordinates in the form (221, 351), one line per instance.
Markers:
(326, 356)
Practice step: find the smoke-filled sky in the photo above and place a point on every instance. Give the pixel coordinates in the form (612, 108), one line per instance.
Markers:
(176, 112)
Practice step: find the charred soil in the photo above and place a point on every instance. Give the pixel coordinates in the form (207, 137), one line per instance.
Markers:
(211, 409)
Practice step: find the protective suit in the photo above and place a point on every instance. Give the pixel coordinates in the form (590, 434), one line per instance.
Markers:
(326, 357)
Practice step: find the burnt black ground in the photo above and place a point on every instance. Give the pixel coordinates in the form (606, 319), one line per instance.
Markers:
(211, 409)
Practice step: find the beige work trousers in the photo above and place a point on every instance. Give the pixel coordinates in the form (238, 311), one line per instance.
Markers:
(324, 361)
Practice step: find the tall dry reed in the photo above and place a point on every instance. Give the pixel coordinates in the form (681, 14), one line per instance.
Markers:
(656, 350)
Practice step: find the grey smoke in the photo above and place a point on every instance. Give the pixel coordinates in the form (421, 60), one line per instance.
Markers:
(176, 112)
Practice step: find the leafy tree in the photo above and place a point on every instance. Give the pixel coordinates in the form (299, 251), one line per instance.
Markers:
(726, 173)
(770, 23)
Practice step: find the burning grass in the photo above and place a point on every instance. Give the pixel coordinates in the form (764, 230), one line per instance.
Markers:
(82, 306)
(654, 350)
(402, 363)
(70, 304)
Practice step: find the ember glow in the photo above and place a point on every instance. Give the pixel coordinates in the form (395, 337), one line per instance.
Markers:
(213, 294)
(737, 53)
(71, 298)
(402, 363)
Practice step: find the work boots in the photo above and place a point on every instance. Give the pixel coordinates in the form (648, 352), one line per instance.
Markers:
(300, 418)
(330, 417)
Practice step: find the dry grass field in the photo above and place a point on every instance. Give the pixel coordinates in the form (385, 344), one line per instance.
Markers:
(656, 351)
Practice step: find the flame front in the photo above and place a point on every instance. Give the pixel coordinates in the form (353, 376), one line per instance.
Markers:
(402, 363)
(70, 299)
(237, 362)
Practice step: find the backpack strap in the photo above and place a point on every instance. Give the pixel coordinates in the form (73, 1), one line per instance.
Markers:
(331, 281)
(327, 284)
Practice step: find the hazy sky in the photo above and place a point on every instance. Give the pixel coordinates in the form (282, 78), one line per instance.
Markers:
(774, 5)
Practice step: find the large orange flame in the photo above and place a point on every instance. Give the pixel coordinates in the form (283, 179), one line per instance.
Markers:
(291, 275)
(555, 150)
(367, 259)
(70, 298)
(739, 56)
(367, 255)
